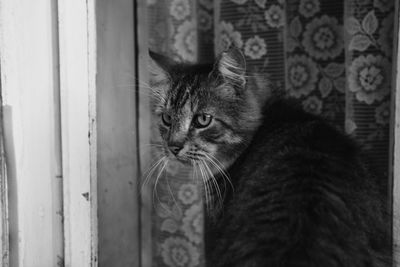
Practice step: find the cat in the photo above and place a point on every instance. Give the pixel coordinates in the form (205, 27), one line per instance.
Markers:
(284, 187)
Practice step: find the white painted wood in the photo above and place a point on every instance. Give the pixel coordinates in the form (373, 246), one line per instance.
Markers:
(118, 199)
(77, 35)
(29, 88)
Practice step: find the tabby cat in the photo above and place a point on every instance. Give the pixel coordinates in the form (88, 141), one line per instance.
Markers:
(283, 187)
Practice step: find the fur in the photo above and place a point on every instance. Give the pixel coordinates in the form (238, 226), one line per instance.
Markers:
(283, 187)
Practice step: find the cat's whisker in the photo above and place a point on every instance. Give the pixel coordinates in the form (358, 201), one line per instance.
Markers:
(209, 184)
(157, 179)
(218, 165)
(206, 189)
(202, 179)
(218, 168)
(193, 169)
(150, 172)
(213, 182)
(196, 172)
(170, 191)
(151, 145)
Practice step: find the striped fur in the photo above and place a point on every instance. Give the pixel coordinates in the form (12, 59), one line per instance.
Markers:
(303, 197)
(190, 90)
(300, 194)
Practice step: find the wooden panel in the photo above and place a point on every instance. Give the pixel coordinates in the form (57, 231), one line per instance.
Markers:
(395, 139)
(29, 84)
(78, 116)
(118, 209)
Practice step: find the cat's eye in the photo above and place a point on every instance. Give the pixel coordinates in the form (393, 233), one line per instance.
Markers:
(202, 120)
(166, 119)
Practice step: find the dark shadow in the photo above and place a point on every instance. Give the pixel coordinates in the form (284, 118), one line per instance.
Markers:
(12, 184)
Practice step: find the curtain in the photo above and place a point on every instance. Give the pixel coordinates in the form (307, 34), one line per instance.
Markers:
(333, 56)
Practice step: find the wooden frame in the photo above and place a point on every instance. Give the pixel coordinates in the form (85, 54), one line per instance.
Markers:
(77, 35)
(29, 82)
(145, 134)
(58, 90)
(395, 140)
(144, 125)
(117, 132)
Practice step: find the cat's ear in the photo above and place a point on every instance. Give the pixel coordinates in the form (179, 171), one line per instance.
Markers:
(231, 65)
(158, 66)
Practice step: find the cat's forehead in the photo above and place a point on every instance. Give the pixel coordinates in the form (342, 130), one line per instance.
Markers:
(187, 88)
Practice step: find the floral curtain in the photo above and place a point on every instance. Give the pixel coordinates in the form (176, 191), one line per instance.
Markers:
(333, 56)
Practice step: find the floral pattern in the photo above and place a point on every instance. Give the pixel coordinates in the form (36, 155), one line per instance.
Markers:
(178, 252)
(316, 35)
(180, 9)
(193, 223)
(369, 78)
(382, 113)
(204, 20)
(309, 8)
(255, 47)
(179, 220)
(228, 37)
(313, 105)
(274, 16)
(301, 75)
(323, 38)
(188, 193)
(370, 29)
(186, 40)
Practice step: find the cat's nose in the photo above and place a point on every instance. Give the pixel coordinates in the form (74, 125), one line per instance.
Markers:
(175, 148)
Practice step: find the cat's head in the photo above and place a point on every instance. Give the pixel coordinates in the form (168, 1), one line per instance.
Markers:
(207, 114)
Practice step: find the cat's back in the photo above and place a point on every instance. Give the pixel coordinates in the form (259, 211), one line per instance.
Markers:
(292, 140)
(302, 198)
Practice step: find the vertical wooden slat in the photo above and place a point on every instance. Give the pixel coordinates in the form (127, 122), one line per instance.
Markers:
(144, 117)
(77, 34)
(118, 208)
(57, 187)
(394, 167)
(28, 54)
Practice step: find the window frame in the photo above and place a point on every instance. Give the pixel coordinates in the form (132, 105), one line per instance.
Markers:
(394, 167)
(78, 59)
